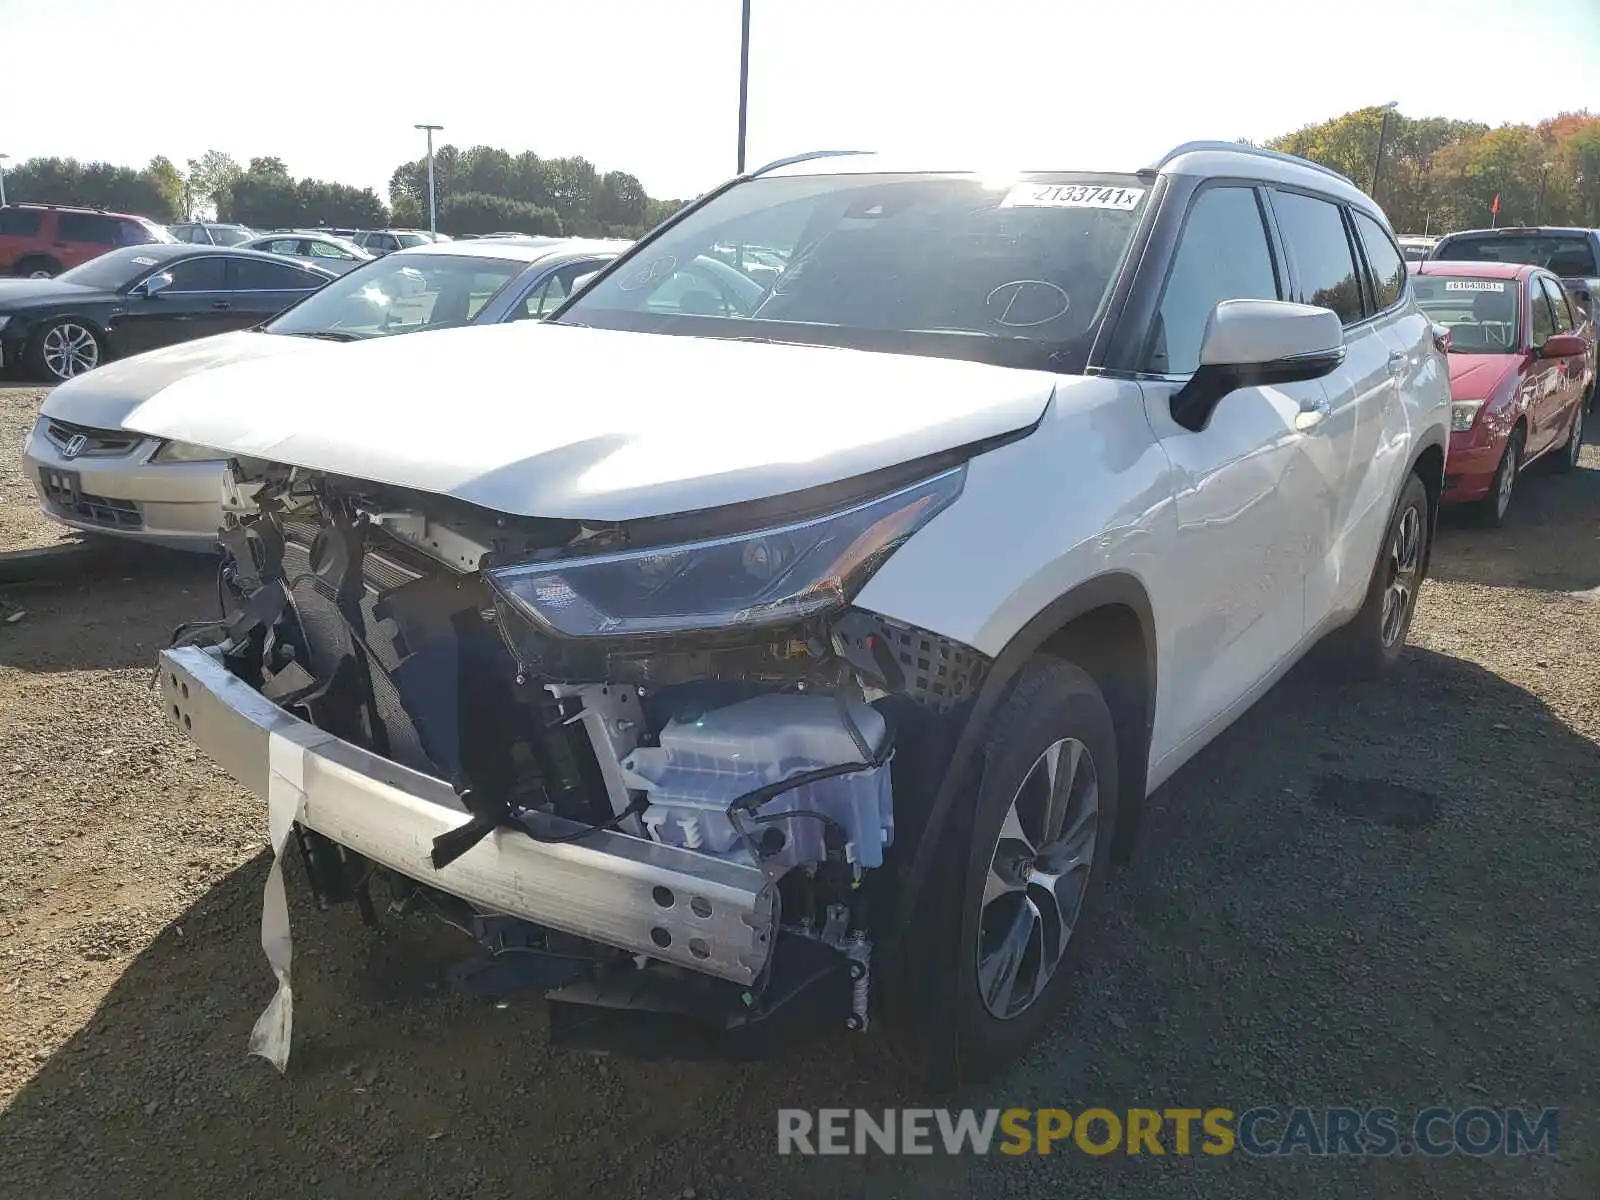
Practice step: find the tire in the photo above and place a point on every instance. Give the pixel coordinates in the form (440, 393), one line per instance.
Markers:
(984, 1005)
(64, 349)
(1490, 512)
(1371, 644)
(38, 266)
(1572, 450)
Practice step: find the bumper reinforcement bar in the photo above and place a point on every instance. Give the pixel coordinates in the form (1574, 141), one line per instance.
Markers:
(711, 916)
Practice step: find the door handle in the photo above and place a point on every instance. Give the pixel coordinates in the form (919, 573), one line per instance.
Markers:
(1311, 414)
(221, 304)
(1397, 361)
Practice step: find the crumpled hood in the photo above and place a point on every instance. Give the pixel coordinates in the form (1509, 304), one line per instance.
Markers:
(101, 398)
(561, 421)
(1476, 376)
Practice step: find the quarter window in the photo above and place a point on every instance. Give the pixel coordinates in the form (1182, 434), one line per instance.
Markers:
(1222, 255)
(19, 222)
(1558, 304)
(1324, 269)
(1387, 265)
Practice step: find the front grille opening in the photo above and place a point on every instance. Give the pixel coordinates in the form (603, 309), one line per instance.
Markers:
(94, 510)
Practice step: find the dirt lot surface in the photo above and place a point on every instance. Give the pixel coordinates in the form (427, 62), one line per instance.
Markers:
(21, 525)
(1292, 931)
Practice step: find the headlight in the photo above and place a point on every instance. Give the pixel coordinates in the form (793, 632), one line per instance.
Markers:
(1463, 413)
(769, 577)
(187, 452)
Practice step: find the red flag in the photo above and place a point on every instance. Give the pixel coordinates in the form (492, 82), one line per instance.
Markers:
(1494, 205)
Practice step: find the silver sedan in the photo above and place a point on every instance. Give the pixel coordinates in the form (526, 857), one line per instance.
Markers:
(334, 253)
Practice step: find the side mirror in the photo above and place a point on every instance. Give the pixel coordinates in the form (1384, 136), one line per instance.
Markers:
(1249, 343)
(1563, 345)
(155, 284)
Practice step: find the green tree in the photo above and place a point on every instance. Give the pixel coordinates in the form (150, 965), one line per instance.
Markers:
(478, 212)
(210, 177)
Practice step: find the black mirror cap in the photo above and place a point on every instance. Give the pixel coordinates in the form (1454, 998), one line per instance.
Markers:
(1193, 403)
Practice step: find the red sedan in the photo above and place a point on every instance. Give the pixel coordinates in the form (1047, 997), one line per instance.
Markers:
(1522, 371)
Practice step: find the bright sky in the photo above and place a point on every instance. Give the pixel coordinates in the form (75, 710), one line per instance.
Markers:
(651, 86)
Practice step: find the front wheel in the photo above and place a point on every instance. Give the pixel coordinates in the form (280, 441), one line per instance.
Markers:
(1022, 858)
(65, 350)
(1492, 509)
(1371, 644)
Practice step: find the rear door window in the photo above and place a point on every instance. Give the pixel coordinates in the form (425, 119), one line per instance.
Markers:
(1222, 255)
(1385, 261)
(258, 275)
(1324, 268)
(88, 227)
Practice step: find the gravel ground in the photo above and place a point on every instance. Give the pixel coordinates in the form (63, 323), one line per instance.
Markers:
(1293, 930)
(21, 525)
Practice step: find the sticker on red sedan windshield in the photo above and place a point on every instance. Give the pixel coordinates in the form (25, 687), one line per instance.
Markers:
(1475, 285)
(1072, 195)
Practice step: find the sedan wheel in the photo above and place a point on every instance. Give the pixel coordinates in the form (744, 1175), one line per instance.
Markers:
(1038, 876)
(41, 273)
(69, 349)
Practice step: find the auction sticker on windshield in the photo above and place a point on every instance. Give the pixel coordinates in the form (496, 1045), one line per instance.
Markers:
(1475, 285)
(1072, 195)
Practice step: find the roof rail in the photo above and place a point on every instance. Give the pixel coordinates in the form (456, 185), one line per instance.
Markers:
(1243, 148)
(800, 158)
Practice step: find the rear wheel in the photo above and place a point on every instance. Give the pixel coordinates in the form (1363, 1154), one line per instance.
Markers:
(1371, 644)
(1567, 459)
(1491, 510)
(38, 266)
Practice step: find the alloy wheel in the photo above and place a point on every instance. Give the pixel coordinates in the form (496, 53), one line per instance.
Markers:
(70, 350)
(1038, 876)
(41, 273)
(1404, 561)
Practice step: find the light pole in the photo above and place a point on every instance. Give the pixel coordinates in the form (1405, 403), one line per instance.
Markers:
(3, 158)
(744, 77)
(432, 212)
(1538, 208)
(1383, 136)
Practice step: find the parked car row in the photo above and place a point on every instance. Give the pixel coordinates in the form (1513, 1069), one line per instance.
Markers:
(94, 477)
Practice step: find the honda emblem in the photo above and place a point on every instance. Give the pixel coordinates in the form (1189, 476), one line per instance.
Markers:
(75, 446)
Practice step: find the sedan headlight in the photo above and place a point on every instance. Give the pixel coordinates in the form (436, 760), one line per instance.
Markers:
(187, 452)
(768, 577)
(1463, 413)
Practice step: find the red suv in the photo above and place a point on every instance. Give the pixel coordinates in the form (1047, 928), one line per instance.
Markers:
(41, 240)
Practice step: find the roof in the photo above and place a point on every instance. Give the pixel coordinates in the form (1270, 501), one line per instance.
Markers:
(1539, 230)
(77, 208)
(1473, 270)
(1199, 158)
(529, 251)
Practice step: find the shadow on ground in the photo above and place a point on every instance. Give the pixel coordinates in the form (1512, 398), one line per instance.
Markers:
(1564, 512)
(1293, 931)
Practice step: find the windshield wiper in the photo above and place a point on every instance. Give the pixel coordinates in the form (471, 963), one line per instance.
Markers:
(327, 335)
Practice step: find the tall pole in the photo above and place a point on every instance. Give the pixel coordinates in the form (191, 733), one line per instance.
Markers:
(1538, 209)
(433, 220)
(1383, 135)
(744, 78)
(3, 158)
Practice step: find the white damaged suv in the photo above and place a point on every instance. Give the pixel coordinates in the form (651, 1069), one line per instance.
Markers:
(758, 659)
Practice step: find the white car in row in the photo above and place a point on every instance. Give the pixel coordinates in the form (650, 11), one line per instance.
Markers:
(812, 659)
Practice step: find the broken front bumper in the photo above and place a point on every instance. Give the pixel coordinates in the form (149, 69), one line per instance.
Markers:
(708, 915)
